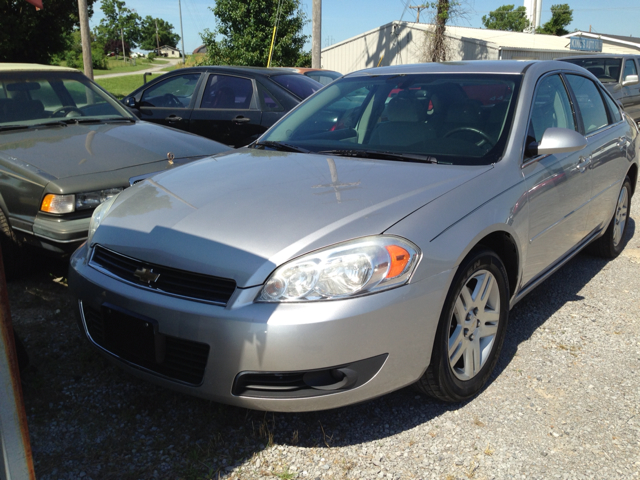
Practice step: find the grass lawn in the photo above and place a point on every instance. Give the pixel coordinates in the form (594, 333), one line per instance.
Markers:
(121, 86)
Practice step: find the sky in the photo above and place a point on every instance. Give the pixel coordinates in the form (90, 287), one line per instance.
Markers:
(343, 19)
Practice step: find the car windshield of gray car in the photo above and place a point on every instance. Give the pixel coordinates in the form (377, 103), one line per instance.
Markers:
(459, 119)
(37, 99)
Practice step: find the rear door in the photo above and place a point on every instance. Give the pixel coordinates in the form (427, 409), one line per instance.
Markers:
(170, 101)
(228, 110)
(608, 137)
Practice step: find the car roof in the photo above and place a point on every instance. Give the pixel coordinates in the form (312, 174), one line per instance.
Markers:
(33, 67)
(237, 69)
(471, 66)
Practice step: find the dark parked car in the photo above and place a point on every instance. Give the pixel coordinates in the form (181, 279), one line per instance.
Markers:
(619, 75)
(65, 147)
(233, 105)
(374, 238)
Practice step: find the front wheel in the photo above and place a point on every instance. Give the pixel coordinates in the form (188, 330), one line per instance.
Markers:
(471, 330)
(612, 242)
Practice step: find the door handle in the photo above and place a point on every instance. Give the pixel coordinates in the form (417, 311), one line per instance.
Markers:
(241, 119)
(583, 163)
(622, 143)
(173, 118)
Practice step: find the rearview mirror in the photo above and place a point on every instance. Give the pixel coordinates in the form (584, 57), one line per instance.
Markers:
(557, 140)
(630, 80)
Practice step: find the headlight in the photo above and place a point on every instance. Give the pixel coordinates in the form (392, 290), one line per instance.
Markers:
(53, 203)
(348, 269)
(97, 217)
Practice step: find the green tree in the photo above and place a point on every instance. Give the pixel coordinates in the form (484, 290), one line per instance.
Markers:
(27, 35)
(507, 18)
(166, 34)
(118, 21)
(244, 28)
(561, 16)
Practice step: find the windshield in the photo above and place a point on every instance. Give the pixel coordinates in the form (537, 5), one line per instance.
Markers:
(605, 69)
(297, 84)
(34, 98)
(461, 119)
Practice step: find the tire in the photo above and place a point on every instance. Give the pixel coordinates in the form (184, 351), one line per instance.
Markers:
(474, 322)
(612, 242)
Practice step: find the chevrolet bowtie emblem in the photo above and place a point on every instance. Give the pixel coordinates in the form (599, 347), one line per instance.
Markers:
(146, 275)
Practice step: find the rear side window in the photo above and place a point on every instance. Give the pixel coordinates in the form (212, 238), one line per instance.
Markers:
(227, 92)
(613, 108)
(605, 69)
(590, 103)
(299, 85)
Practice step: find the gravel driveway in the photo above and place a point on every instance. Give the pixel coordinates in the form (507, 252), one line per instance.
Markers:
(563, 403)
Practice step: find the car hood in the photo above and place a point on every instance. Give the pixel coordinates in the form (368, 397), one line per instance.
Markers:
(240, 215)
(75, 150)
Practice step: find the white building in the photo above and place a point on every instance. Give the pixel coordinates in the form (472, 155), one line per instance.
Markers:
(399, 43)
(534, 7)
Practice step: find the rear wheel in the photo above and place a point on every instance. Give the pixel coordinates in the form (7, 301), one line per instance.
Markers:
(612, 242)
(471, 331)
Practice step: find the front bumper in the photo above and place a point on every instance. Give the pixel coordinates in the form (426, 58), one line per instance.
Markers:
(385, 338)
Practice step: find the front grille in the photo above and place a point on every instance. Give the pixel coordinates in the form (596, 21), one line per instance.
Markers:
(181, 360)
(169, 280)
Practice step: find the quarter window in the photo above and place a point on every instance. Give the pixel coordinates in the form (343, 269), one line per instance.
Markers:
(551, 108)
(227, 92)
(592, 109)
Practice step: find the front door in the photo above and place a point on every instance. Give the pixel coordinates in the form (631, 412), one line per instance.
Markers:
(170, 102)
(558, 185)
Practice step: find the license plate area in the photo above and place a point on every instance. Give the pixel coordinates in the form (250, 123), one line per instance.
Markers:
(132, 337)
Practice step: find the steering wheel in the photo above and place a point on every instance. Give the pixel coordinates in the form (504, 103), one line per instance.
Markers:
(68, 109)
(171, 100)
(485, 138)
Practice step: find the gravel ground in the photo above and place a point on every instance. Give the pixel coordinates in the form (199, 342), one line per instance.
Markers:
(564, 402)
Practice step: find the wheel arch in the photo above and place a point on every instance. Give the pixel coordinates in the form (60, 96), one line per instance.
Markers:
(504, 245)
(633, 176)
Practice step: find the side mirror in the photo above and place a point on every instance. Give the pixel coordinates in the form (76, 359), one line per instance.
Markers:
(630, 80)
(557, 140)
(130, 102)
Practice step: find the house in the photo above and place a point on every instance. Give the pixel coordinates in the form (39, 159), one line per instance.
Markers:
(171, 52)
(202, 49)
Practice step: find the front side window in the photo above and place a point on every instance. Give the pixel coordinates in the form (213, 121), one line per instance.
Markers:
(551, 108)
(455, 119)
(227, 92)
(590, 103)
(629, 68)
(174, 92)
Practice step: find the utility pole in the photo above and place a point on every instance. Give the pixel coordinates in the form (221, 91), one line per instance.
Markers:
(184, 59)
(418, 8)
(157, 38)
(86, 38)
(316, 34)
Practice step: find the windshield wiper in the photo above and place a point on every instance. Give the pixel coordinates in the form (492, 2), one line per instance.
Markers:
(382, 155)
(37, 125)
(281, 146)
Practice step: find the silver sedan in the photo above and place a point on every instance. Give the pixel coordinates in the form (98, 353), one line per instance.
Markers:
(376, 237)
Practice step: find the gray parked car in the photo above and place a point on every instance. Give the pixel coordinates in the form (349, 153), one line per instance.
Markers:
(619, 75)
(65, 147)
(374, 238)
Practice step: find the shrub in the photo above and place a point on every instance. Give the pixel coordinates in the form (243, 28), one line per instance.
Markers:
(151, 57)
